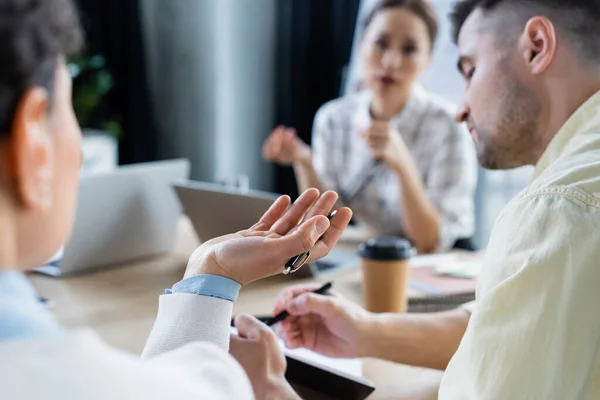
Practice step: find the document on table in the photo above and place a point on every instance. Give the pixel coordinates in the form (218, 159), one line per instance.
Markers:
(348, 366)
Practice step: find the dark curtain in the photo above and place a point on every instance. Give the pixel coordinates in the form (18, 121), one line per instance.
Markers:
(314, 46)
(113, 28)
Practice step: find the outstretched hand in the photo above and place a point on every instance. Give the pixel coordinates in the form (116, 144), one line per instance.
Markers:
(282, 233)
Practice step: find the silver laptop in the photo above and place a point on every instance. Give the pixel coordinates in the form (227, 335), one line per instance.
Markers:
(217, 210)
(123, 215)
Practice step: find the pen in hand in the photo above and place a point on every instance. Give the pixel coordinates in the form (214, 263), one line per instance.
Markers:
(284, 314)
(298, 261)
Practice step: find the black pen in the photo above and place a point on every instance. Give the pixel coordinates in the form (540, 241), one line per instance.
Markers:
(284, 314)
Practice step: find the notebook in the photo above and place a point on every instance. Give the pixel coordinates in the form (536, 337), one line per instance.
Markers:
(446, 281)
(318, 377)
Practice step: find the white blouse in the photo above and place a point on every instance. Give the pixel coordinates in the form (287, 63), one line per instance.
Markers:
(442, 150)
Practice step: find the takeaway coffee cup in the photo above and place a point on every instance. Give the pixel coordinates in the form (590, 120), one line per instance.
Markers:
(385, 267)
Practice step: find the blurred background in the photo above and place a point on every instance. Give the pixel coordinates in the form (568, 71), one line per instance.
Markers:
(209, 79)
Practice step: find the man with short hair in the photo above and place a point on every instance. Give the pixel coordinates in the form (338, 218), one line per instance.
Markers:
(532, 72)
(532, 69)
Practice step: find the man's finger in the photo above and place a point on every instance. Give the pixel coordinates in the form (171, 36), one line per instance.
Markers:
(287, 295)
(312, 303)
(250, 328)
(291, 334)
(323, 205)
(329, 239)
(290, 293)
(273, 214)
(302, 239)
(239, 347)
(236, 344)
(296, 212)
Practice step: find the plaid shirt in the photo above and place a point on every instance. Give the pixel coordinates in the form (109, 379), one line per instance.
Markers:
(442, 150)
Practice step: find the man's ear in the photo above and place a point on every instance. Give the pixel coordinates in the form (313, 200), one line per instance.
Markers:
(32, 151)
(538, 44)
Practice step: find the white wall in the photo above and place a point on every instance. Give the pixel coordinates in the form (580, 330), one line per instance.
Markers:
(211, 68)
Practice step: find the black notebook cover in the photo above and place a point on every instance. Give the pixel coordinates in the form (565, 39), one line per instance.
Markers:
(317, 382)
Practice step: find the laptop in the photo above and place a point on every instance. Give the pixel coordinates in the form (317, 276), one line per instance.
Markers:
(216, 210)
(122, 215)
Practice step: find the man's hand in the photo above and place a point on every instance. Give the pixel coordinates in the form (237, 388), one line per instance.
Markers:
(284, 147)
(281, 234)
(386, 144)
(335, 327)
(329, 325)
(257, 350)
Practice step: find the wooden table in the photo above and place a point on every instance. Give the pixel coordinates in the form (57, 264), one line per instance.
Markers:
(120, 304)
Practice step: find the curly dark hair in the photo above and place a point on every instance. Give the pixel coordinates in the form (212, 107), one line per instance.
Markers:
(34, 34)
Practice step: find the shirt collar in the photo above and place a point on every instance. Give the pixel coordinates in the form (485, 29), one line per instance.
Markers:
(22, 316)
(574, 125)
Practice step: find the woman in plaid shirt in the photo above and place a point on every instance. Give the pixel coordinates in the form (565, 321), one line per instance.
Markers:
(392, 150)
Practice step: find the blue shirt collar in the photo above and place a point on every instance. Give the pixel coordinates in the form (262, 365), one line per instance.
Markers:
(22, 316)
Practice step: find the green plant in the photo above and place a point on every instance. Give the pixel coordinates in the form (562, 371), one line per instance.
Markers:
(91, 83)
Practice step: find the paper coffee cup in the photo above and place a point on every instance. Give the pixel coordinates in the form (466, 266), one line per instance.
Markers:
(385, 267)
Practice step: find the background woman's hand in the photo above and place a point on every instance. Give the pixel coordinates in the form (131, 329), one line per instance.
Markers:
(284, 147)
(386, 144)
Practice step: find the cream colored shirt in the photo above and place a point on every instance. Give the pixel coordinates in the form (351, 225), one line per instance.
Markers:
(535, 330)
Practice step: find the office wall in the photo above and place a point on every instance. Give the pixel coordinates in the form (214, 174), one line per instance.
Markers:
(211, 65)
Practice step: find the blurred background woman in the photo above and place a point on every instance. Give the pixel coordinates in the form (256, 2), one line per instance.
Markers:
(392, 150)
